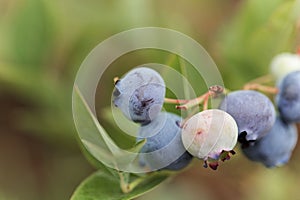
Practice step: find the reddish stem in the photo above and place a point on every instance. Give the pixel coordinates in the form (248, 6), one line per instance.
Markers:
(175, 101)
(205, 102)
(193, 102)
(263, 88)
(298, 51)
(186, 104)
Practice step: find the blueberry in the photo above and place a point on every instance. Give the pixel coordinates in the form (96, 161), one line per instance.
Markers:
(164, 148)
(284, 63)
(208, 133)
(288, 98)
(276, 147)
(140, 94)
(253, 112)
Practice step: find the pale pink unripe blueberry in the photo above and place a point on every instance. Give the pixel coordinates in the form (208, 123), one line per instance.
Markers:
(284, 63)
(209, 133)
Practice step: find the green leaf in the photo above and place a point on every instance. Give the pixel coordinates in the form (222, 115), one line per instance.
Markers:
(98, 146)
(96, 163)
(98, 143)
(102, 186)
(122, 130)
(138, 146)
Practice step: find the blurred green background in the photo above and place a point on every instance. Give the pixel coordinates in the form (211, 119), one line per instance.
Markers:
(42, 44)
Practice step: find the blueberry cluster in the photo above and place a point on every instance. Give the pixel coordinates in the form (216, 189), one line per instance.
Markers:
(140, 96)
(245, 116)
(265, 138)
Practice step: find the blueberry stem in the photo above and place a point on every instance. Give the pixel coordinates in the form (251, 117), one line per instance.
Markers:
(135, 183)
(127, 187)
(298, 51)
(175, 101)
(262, 88)
(204, 98)
(194, 102)
(124, 182)
(205, 103)
(258, 84)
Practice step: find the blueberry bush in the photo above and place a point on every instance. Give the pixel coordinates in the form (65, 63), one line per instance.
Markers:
(260, 115)
(251, 141)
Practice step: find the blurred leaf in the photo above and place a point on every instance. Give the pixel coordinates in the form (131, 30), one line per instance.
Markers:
(260, 30)
(30, 33)
(277, 34)
(102, 186)
(40, 88)
(48, 115)
(48, 124)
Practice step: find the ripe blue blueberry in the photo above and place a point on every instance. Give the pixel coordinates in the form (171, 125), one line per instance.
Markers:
(164, 148)
(253, 112)
(140, 94)
(276, 147)
(288, 98)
